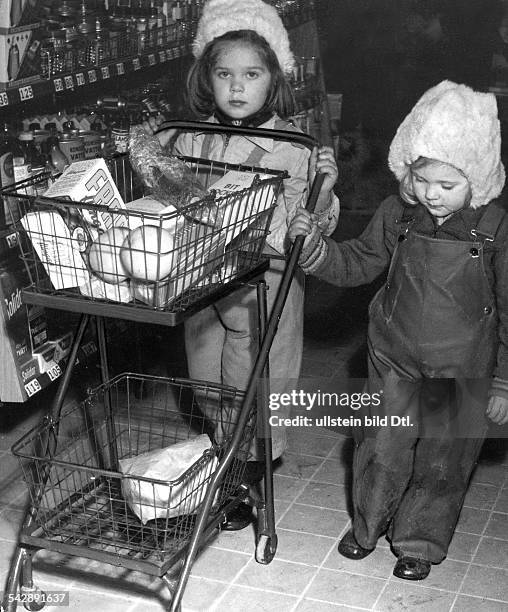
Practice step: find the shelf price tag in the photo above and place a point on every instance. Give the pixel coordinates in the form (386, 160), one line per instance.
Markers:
(32, 387)
(151, 59)
(162, 56)
(80, 79)
(26, 93)
(120, 68)
(58, 83)
(105, 72)
(54, 372)
(4, 100)
(69, 82)
(170, 53)
(136, 64)
(92, 76)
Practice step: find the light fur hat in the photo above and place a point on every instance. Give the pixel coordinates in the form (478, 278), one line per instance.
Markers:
(452, 123)
(221, 16)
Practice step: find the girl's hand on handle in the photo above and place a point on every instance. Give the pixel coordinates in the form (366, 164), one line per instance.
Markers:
(152, 125)
(497, 410)
(322, 160)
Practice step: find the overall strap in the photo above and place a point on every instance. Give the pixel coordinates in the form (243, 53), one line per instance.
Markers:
(489, 223)
(206, 146)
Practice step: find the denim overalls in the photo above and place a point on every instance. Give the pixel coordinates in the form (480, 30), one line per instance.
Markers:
(432, 350)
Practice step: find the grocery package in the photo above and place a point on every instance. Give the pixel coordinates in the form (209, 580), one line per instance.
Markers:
(180, 493)
(169, 179)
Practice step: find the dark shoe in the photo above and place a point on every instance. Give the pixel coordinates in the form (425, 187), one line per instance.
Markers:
(411, 568)
(239, 518)
(349, 547)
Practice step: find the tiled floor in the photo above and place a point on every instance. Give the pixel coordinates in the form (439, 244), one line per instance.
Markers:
(312, 501)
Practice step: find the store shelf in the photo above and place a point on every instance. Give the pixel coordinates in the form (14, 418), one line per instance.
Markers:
(71, 82)
(34, 88)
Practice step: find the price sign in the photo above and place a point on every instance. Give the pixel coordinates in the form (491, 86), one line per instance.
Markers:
(105, 72)
(151, 59)
(69, 82)
(4, 100)
(58, 83)
(80, 79)
(120, 68)
(136, 64)
(92, 76)
(32, 387)
(26, 93)
(54, 372)
(162, 56)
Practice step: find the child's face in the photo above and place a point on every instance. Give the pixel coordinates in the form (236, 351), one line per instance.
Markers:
(240, 80)
(441, 188)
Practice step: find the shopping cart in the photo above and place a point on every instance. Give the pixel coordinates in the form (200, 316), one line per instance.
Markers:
(72, 462)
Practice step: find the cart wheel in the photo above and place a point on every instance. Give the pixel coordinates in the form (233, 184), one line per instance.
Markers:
(37, 602)
(266, 549)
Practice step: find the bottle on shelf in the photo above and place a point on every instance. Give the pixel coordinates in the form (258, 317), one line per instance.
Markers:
(6, 170)
(56, 160)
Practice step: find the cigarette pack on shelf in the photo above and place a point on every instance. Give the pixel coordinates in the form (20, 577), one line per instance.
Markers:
(33, 344)
(14, 13)
(20, 60)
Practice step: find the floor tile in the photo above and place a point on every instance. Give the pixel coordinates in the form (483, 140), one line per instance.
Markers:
(463, 546)
(298, 466)
(287, 488)
(219, 564)
(325, 495)
(303, 547)
(473, 521)
(481, 496)
(447, 576)
(502, 501)
(243, 541)
(490, 473)
(252, 600)
(486, 582)
(300, 441)
(378, 564)
(492, 552)
(406, 596)
(332, 471)
(313, 605)
(320, 521)
(86, 600)
(345, 588)
(497, 526)
(281, 576)
(201, 594)
(477, 604)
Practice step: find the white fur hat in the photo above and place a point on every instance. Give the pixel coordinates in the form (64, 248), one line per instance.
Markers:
(456, 125)
(221, 16)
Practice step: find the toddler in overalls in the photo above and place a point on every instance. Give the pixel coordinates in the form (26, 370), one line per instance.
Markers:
(438, 328)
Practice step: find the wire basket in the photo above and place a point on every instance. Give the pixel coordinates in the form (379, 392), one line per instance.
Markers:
(71, 466)
(77, 249)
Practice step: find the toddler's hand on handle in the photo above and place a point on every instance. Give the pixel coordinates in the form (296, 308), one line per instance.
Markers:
(314, 247)
(497, 410)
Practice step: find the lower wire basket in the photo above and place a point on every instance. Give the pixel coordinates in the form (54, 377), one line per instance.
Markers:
(78, 493)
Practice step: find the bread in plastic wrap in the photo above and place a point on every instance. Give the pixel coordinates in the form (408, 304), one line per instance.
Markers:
(149, 500)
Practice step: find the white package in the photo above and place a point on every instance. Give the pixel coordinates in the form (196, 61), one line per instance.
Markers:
(149, 500)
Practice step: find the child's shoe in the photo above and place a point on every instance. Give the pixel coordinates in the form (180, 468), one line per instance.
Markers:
(411, 568)
(349, 547)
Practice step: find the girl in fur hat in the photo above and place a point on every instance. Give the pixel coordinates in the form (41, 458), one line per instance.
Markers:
(239, 77)
(438, 328)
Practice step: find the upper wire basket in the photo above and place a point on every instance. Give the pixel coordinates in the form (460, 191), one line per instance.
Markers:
(86, 257)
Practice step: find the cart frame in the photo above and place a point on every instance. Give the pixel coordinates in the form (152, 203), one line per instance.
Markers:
(20, 574)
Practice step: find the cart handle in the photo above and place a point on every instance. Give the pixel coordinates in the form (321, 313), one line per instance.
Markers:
(205, 126)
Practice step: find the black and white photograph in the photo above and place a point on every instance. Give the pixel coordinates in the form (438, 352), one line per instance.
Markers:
(254, 305)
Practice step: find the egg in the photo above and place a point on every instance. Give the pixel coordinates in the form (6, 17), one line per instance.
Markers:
(104, 255)
(148, 253)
